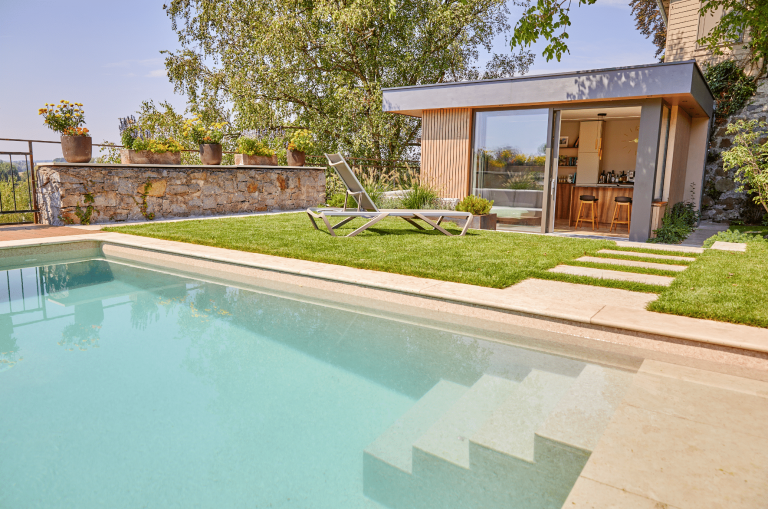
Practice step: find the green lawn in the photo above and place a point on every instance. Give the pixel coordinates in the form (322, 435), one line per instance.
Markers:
(719, 285)
(722, 285)
(483, 258)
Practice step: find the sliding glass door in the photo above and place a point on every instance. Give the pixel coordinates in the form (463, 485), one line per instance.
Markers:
(509, 161)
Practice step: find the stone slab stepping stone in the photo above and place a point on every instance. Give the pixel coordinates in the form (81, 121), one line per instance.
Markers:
(613, 274)
(632, 263)
(730, 246)
(648, 255)
(660, 247)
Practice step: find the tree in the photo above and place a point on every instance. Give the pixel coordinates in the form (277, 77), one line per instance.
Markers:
(321, 64)
(744, 20)
(649, 22)
(749, 157)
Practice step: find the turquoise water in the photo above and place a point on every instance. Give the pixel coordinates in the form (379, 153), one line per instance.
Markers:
(126, 387)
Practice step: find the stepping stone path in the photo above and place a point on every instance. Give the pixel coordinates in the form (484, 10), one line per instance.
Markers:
(654, 262)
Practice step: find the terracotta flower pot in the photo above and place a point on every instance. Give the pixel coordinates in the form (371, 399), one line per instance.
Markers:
(246, 160)
(147, 157)
(211, 154)
(296, 157)
(77, 149)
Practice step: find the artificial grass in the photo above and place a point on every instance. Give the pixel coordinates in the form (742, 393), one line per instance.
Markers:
(722, 285)
(483, 258)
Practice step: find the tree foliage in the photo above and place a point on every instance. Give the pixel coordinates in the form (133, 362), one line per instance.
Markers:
(744, 22)
(649, 22)
(547, 19)
(321, 64)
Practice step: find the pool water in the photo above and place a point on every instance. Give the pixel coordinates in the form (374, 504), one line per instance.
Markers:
(122, 386)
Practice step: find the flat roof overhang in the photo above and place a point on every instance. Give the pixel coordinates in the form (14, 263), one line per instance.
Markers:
(680, 83)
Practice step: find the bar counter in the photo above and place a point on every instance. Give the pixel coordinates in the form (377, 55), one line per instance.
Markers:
(567, 200)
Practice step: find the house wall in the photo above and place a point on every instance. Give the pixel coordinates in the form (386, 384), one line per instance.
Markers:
(445, 150)
(619, 151)
(675, 185)
(683, 32)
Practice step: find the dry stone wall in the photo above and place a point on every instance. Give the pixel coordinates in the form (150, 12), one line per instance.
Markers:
(721, 202)
(122, 192)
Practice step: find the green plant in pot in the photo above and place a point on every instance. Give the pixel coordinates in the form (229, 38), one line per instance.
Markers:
(481, 209)
(141, 148)
(67, 118)
(207, 137)
(251, 152)
(299, 143)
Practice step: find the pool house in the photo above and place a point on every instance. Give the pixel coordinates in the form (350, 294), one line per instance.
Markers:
(596, 152)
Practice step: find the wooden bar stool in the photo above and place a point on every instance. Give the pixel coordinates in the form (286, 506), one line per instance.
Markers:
(587, 199)
(621, 202)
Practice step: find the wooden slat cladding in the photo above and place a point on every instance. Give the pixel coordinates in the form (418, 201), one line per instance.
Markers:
(445, 140)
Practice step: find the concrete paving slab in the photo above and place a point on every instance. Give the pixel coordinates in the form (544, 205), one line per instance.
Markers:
(589, 494)
(632, 263)
(730, 246)
(613, 274)
(660, 247)
(647, 255)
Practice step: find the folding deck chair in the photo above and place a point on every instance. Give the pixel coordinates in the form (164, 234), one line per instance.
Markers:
(368, 210)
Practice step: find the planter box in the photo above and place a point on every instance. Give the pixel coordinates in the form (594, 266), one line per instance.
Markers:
(246, 160)
(486, 222)
(147, 157)
(295, 158)
(76, 149)
(211, 154)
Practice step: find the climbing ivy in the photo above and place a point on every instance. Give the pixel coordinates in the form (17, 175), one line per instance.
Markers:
(85, 215)
(143, 206)
(731, 87)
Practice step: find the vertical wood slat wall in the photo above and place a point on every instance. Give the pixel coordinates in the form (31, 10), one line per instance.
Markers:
(445, 150)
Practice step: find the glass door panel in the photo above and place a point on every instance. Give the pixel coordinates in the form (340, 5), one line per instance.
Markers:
(508, 165)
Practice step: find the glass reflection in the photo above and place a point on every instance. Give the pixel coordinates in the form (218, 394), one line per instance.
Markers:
(509, 159)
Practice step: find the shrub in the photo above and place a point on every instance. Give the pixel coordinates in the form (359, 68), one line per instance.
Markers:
(201, 134)
(679, 221)
(733, 236)
(749, 157)
(475, 205)
(158, 146)
(251, 147)
(301, 140)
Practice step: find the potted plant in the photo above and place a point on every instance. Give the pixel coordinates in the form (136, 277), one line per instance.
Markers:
(67, 118)
(208, 138)
(299, 144)
(252, 152)
(142, 149)
(480, 208)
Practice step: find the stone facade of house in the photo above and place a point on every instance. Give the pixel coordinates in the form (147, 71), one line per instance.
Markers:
(120, 192)
(721, 201)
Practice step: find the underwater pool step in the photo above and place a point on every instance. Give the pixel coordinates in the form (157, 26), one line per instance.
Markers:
(448, 438)
(395, 445)
(582, 415)
(510, 428)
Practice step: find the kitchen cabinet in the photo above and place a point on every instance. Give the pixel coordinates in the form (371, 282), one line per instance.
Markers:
(590, 152)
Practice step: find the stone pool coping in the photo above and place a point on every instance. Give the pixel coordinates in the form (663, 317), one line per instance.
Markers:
(576, 304)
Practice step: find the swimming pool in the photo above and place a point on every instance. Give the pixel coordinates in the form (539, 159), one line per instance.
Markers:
(123, 386)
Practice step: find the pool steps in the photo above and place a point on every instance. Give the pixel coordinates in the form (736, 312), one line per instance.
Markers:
(499, 442)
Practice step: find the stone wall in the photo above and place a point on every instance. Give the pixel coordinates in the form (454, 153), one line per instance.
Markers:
(721, 201)
(120, 192)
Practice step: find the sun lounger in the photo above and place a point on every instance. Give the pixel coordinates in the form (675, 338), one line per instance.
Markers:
(367, 209)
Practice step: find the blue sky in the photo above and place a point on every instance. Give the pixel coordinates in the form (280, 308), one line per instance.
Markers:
(106, 54)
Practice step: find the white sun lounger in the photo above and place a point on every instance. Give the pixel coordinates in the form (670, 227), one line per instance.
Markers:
(368, 210)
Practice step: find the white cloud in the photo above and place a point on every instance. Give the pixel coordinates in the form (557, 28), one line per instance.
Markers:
(157, 73)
